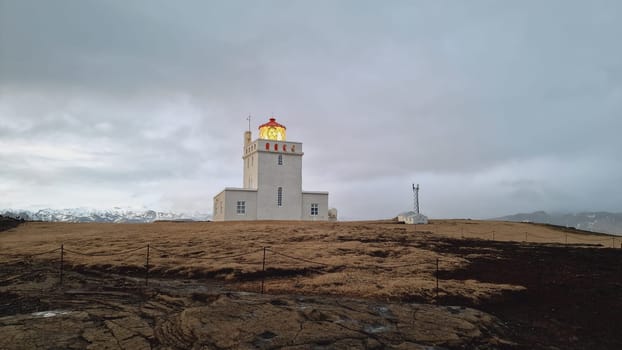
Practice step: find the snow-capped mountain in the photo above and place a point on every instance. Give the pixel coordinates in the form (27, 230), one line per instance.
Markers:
(589, 221)
(116, 215)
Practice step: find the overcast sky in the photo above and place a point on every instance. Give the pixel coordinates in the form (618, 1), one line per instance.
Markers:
(493, 107)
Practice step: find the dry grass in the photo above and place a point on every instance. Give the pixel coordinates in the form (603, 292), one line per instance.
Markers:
(362, 259)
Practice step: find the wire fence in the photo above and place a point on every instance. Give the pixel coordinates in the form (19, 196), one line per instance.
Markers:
(261, 264)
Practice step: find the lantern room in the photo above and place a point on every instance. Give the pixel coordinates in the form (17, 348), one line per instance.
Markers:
(272, 131)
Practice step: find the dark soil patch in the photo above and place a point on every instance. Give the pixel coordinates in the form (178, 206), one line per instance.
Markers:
(275, 273)
(12, 303)
(573, 298)
(9, 223)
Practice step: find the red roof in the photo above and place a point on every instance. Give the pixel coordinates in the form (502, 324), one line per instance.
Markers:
(272, 122)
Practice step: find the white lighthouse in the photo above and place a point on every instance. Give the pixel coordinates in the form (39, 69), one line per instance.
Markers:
(272, 188)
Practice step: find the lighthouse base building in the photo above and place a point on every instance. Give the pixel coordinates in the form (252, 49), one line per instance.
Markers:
(272, 187)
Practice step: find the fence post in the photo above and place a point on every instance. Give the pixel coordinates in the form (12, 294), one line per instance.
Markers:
(147, 267)
(62, 256)
(437, 280)
(263, 269)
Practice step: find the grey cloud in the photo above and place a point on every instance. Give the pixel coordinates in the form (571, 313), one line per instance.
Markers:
(379, 93)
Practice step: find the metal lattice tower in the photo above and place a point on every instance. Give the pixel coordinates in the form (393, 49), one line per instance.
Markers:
(416, 198)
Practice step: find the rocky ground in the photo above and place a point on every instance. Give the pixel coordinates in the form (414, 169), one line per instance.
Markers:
(353, 285)
(102, 311)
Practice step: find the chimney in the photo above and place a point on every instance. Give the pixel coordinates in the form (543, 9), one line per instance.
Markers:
(247, 138)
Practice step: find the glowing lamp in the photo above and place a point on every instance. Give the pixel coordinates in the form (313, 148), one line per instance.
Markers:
(272, 131)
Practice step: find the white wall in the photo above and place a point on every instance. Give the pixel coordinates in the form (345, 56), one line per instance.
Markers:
(219, 207)
(250, 164)
(321, 198)
(230, 198)
(271, 176)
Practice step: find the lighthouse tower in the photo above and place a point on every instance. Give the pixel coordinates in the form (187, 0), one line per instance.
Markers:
(272, 182)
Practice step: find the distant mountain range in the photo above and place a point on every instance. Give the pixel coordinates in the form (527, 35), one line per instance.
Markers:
(604, 222)
(589, 221)
(116, 215)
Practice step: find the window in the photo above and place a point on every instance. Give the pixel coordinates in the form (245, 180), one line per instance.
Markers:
(241, 208)
(280, 161)
(314, 209)
(279, 196)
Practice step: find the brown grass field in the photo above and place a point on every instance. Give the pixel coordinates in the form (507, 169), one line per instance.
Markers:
(553, 287)
(350, 255)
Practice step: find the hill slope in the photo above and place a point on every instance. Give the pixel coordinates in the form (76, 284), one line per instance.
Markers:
(589, 221)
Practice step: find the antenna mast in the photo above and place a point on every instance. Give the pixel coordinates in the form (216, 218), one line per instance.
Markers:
(249, 122)
(416, 198)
